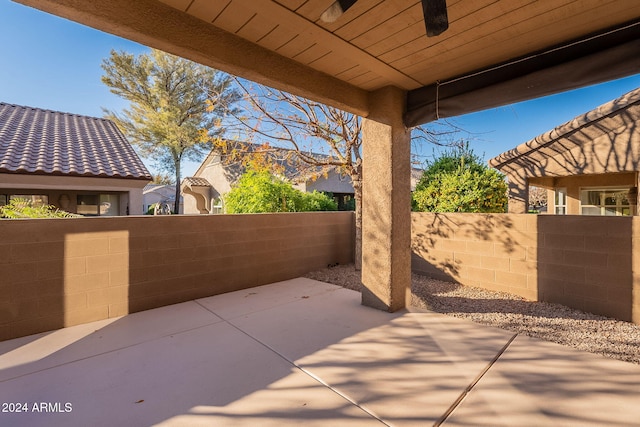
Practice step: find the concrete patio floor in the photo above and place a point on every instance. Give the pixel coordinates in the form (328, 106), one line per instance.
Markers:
(303, 351)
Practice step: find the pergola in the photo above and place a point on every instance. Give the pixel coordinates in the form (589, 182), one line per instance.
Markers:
(376, 61)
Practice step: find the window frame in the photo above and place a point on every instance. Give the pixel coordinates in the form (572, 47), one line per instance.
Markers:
(556, 205)
(98, 196)
(603, 207)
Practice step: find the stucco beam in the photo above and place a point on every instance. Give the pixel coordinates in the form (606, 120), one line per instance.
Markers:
(157, 25)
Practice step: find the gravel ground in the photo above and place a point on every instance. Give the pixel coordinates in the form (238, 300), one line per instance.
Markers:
(551, 322)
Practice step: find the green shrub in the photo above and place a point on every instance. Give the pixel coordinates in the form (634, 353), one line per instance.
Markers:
(317, 201)
(463, 191)
(259, 192)
(450, 161)
(22, 208)
(459, 181)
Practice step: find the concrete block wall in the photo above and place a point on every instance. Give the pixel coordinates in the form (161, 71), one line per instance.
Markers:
(58, 273)
(588, 263)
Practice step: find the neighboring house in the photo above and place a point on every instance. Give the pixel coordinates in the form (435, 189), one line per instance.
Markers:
(77, 163)
(588, 165)
(159, 193)
(203, 192)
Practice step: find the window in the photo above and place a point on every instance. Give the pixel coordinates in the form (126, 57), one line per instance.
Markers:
(98, 204)
(605, 201)
(561, 201)
(87, 204)
(217, 206)
(3, 199)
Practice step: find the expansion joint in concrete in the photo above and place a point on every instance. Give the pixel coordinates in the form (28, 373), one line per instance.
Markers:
(475, 381)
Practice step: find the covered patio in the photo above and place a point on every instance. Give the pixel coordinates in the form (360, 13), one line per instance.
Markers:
(305, 352)
(302, 351)
(375, 60)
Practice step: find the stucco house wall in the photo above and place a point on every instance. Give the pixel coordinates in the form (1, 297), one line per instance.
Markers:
(129, 192)
(333, 182)
(190, 203)
(220, 179)
(598, 149)
(573, 185)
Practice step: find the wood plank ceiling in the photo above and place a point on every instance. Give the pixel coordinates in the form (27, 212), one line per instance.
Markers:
(378, 43)
(382, 42)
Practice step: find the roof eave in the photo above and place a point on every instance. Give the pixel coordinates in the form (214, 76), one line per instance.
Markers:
(580, 122)
(74, 175)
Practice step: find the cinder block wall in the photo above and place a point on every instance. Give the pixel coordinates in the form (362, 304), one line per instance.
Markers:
(58, 273)
(588, 263)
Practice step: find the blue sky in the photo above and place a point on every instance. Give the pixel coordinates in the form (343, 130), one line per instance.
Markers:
(49, 62)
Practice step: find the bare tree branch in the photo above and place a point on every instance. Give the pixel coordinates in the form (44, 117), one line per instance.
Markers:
(317, 137)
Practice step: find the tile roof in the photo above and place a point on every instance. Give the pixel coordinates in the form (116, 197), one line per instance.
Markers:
(38, 141)
(196, 181)
(589, 118)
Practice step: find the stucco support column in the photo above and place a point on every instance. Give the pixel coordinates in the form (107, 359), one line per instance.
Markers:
(386, 210)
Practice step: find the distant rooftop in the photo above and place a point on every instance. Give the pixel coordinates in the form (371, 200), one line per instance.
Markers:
(155, 187)
(196, 182)
(37, 141)
(294, 168)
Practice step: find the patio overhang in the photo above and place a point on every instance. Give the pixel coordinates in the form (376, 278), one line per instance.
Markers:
(375, 61)
(494, 53)
(596, 58)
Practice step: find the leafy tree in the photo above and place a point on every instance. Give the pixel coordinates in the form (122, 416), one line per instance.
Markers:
(458, 181)
(162, 179)
(449, 161)
(23, 208)
(171, 100)
(260, 192)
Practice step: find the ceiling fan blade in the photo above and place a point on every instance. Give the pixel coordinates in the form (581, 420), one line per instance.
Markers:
(336, 10)
(435, 16)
